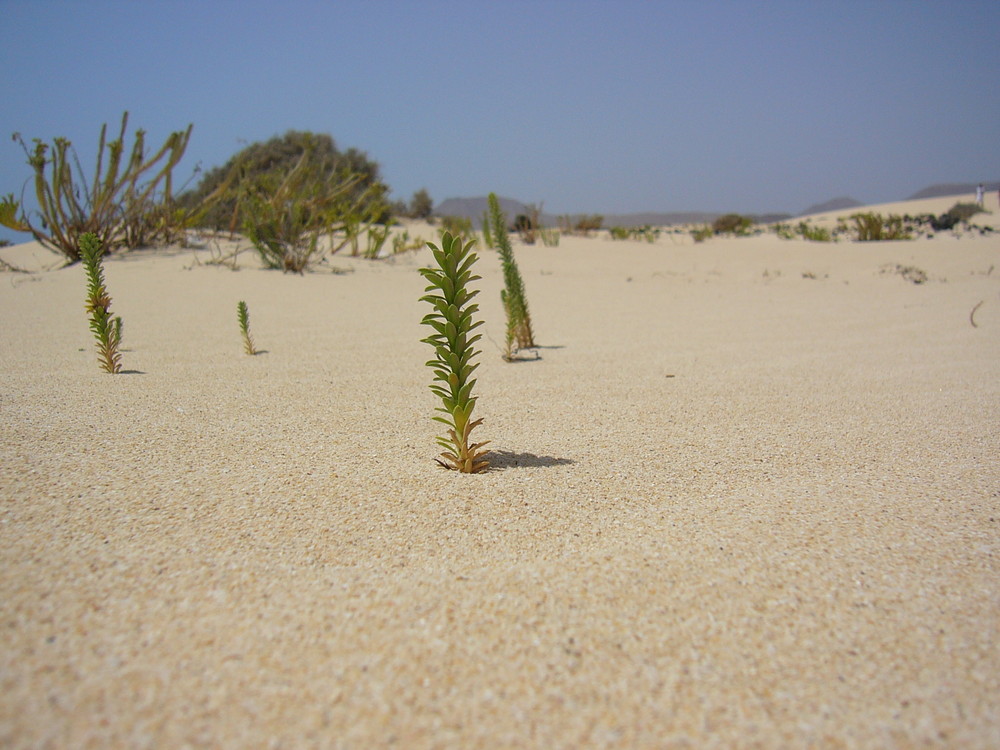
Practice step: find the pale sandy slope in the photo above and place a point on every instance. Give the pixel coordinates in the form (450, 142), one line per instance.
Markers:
(749, 496)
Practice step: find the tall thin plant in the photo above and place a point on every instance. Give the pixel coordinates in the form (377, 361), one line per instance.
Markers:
(453, 341)
(243, 317)
(107, 330)
(114, 206)
(519, 333)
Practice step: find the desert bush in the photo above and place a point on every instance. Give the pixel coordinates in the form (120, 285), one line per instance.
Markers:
(459, 226)
(284, 220)
(107, 330)
(814, 234)
(401, 243)
(377, 235)
(129, 203)
(527, 225)
(453, 340)
(647, 233)
(519, 330)
(700, 234)
(732, 224)
(267, 163)
(550, 237)
(965, 211)
(784, 231)
(421, 204)
(873, 227)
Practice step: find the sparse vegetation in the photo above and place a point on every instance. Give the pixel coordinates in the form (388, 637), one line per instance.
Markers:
(519, 334)
(107, 330)
(128, 204)
(873, 227)
(700, 234)
(733, 224)
(421, 204)
(647, 233)
(582, 225)
(285, 215)
(458, 226)
(264, 165)
(550, 237)
(453, 340)
(243, 316)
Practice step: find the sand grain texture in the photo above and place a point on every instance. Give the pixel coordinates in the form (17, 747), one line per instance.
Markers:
(748, 496)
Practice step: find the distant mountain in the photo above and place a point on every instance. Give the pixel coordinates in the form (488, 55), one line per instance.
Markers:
(473, 208)
(953, 188)
(834, 204)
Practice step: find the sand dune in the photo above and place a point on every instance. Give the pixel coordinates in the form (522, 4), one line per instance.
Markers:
(748, 495)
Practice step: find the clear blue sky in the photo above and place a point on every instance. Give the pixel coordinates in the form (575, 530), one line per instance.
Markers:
(601, 107)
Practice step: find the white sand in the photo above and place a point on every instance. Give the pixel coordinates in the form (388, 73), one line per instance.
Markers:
(748, 496)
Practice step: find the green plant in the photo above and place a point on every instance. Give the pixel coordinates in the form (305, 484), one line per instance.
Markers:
(453, 342)
(814, 234)
(515, 304)
(550, 237)
(455, 225)
(115, 207)
(527, 225)
(619, 233)
(421, 204)
(243, 316)
(872, 227)
(284, 221)
(377, 236)
(732, 224)
(401, 242)
(107, 330)
(700, 234)
(266, 163)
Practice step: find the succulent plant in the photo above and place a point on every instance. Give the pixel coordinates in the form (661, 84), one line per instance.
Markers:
(107, 330)
(453, 341)
(243, 315)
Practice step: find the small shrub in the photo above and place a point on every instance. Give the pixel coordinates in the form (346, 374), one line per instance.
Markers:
(453, 341)
(421, 204)
(243, 316)
(873, 227)
(107, 330)
(118, 209)
(377, 235)
(619, 233)
(732, 224)
(457, 226)
(814, 234)
(284, 221)
(550, 237)
(700, 234)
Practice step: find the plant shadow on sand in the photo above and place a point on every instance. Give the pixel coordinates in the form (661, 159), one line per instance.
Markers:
(533, 350)
(511, 460)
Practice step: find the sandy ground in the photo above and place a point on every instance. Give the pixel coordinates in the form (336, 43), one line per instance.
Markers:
(748, 495)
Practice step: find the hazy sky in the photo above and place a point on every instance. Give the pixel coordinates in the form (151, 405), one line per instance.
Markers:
(751, 106)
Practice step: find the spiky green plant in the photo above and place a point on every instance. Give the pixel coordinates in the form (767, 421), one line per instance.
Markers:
(519, 332)
(107, 330)
(243, 315)
(453, 342)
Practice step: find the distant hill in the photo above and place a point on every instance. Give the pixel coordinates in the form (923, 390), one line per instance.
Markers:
(834, 204)
(952, 188)
(473, 208)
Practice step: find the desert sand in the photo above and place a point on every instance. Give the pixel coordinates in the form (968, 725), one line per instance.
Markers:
(747, 495)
